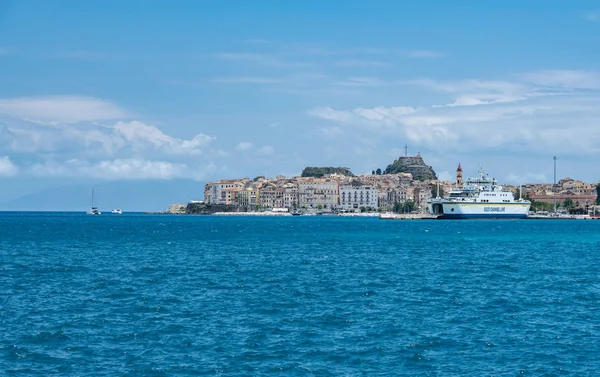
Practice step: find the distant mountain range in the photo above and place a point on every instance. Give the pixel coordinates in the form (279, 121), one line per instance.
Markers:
(155, 195)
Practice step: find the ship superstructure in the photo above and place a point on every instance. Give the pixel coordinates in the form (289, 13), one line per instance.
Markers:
(478, 198)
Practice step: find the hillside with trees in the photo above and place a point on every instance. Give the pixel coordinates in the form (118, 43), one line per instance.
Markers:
(318, 172)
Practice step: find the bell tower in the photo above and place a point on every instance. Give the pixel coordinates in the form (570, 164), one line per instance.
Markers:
(459, 179)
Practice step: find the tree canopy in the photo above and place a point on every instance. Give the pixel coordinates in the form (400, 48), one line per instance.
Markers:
(568, 204)
(434, 191)
(406, 207)
(317, 172)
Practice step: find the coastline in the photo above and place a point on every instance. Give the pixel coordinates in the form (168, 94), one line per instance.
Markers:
(381, 216)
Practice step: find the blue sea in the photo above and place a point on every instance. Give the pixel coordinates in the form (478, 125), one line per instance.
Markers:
(160, 295)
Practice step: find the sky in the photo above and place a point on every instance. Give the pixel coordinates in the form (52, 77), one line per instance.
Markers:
(149, 93)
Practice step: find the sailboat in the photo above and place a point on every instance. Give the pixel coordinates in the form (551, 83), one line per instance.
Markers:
(94, 210)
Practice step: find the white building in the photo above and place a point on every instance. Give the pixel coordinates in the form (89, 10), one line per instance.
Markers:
(318, 192)
(352, 197)
(218, 192)
(290, 195)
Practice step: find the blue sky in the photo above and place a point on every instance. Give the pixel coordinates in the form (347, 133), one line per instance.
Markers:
(94, 93)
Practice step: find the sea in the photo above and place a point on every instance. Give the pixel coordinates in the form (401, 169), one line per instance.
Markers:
(169, 295)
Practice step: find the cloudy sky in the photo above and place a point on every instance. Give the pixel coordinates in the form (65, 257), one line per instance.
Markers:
(93, 93)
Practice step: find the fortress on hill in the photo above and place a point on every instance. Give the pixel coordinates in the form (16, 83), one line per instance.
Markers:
(413, 165)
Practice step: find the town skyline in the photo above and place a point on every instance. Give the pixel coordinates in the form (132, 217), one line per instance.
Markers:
(405, 185)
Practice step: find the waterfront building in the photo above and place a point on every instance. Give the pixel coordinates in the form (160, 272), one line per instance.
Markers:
(290, 195)
(271, 196)
(387, 198)
(318, 192)
(355, 196)
(215, 192)
(231, 194)
(422, 193)
(248, 198)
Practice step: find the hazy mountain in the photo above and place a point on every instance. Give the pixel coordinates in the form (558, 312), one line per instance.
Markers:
(152, 195)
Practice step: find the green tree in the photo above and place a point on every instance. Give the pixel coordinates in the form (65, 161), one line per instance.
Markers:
(568, 204)
(598, 193)
(406, 207)
(319, 206)
(378, 171)
(362, 209)
(517, 194)
(541, 206)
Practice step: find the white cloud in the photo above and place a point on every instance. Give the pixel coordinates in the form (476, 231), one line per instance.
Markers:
(383, 113)
(266, 150)
(326, 112)
(546, 112)
(243, 146)
(374, 117)
(477, 92)
(66, 132)
(7, 167)
(93, 139)
(246, 146)
(142, 136)
(130, 168)
(61, 109)
(564, 79)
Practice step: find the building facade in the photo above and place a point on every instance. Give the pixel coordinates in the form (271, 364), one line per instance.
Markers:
(216, 192)
(353, 197)
(318, 193)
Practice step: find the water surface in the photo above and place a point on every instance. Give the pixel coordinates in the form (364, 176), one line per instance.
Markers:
(143, 295)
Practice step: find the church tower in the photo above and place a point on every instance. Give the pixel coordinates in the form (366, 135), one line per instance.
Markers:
(459, 180)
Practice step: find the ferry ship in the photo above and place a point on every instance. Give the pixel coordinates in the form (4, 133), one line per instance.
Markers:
(478, 198)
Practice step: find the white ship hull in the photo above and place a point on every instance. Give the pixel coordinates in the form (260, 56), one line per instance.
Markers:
(446, 209)
(478, 198)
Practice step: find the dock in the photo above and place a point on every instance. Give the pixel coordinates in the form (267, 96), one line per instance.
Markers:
(406, 216)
